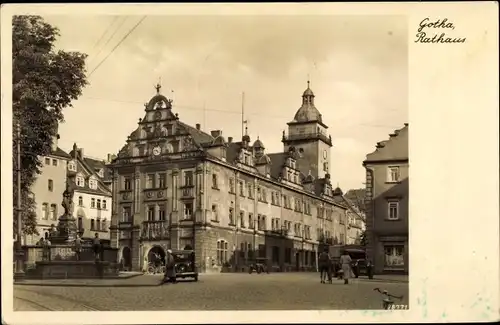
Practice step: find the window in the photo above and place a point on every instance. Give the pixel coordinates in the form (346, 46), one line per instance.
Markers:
(51, 185)
(264, 195)
(188, 178)
(151, 213)
(161, 213)
(231, 216)
(80, 223)
(259, 194)
(126, 214)
(393, 210)
(250, 191)
(47, 161)
(188, 210)
(99, 204)
(127, 183)
(45, 212)
(92, 203)
(214, 181)
(101, 173)
(221, 251)
(394, 256)
(103, 225)
(54, 162)
(72, 166)
(275, 254)
(242, 219)
(53, 212)
(80, 201)
(104, 207)
(288, 255)
(231, 185)
(393, 174)
(80, 181)
(215, 214)
(242, 189)
(98, 224)
(92, 183)
(162, 180)
(92, 224)
(150, 181)
(251, 223)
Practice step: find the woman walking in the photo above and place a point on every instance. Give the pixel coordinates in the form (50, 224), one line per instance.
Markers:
(345, 261)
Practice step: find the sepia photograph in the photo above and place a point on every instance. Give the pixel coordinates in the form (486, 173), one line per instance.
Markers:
(217, 162)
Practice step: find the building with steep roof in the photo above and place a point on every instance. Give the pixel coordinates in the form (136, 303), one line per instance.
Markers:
(387, 199)
(48, 189)
(92, 197)
(176, 186)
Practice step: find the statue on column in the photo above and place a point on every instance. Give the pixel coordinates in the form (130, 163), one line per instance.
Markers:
(67, 202)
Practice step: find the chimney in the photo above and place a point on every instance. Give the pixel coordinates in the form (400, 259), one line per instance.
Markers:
(216, 133)
(229, 139)
(54, 142)
(198, 126)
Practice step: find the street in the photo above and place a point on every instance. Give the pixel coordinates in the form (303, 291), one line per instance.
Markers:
(240, 291)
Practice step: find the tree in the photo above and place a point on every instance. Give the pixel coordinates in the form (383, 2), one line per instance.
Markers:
(363, 238)
(44, 83)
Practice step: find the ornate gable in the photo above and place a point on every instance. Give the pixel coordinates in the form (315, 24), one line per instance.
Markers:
(160, 135)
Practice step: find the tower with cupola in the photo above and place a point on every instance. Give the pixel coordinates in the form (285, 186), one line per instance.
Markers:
(308, 136)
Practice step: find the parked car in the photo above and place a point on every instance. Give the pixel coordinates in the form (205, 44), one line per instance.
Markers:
(258, 265)
(359, 265)
(185, 266)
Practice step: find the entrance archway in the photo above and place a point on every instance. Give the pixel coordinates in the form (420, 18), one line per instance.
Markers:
(156, 255)
(127, 258)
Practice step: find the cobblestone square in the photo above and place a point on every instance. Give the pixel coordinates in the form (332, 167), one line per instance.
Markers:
(275, 291)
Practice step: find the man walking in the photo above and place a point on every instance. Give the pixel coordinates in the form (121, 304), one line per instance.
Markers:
(324, 261)
(170, 275)
(96, 246)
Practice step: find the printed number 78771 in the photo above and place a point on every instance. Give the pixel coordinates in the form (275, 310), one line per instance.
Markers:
(398, 307)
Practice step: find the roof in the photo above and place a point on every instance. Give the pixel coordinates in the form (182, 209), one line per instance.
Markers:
(60, 153)
(198, 136)
(232, 152)
(277, 162)
(258, 144)
(393, 149)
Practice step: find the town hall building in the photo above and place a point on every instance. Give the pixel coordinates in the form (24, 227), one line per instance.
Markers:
(176, 186)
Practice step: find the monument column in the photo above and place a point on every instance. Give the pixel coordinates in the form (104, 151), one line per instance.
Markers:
(174, 220)
(137, 221)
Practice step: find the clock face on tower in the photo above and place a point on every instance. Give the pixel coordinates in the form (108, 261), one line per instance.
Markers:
(156, 151)
(325, 154)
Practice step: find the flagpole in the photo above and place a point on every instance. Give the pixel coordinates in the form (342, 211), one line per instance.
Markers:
(242, 114)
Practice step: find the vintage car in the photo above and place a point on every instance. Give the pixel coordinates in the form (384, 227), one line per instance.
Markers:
(258, 265)
(185, 266)
(359, 264)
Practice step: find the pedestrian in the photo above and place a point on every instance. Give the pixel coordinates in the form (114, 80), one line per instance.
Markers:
(330, 271)
(345, 261)
(40, 242)
(170, 275)
(46, 249)
(324, 260)
(78, 247)
(96, 246)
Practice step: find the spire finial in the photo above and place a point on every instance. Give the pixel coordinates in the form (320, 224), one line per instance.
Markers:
(308, 80)
(158, 86)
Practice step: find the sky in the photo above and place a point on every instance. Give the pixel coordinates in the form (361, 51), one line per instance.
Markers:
(357, 66)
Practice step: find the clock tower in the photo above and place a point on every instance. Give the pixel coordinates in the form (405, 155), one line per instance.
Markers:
(307, 134)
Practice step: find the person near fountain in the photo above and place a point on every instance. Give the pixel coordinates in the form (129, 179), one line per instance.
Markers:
(78, 247)
(96, 246)
(46, 249)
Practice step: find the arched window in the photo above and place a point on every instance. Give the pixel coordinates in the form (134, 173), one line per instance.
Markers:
(221, 251)
(80, 201)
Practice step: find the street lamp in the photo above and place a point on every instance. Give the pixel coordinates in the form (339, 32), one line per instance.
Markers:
(19, 272)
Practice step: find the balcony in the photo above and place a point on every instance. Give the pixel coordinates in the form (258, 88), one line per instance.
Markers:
(187, 192)
(155, 230)
(283, 232)
(307, 136)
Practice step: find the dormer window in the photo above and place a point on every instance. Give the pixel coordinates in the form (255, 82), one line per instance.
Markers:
(100, 173)
(72, 166)
(92, 183)
(80, 181)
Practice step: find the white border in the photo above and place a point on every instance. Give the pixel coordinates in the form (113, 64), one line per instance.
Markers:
(454, 220)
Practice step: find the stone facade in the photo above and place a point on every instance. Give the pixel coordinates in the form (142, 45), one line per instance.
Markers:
(175, 186)
(387, 203)
(48, 189)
